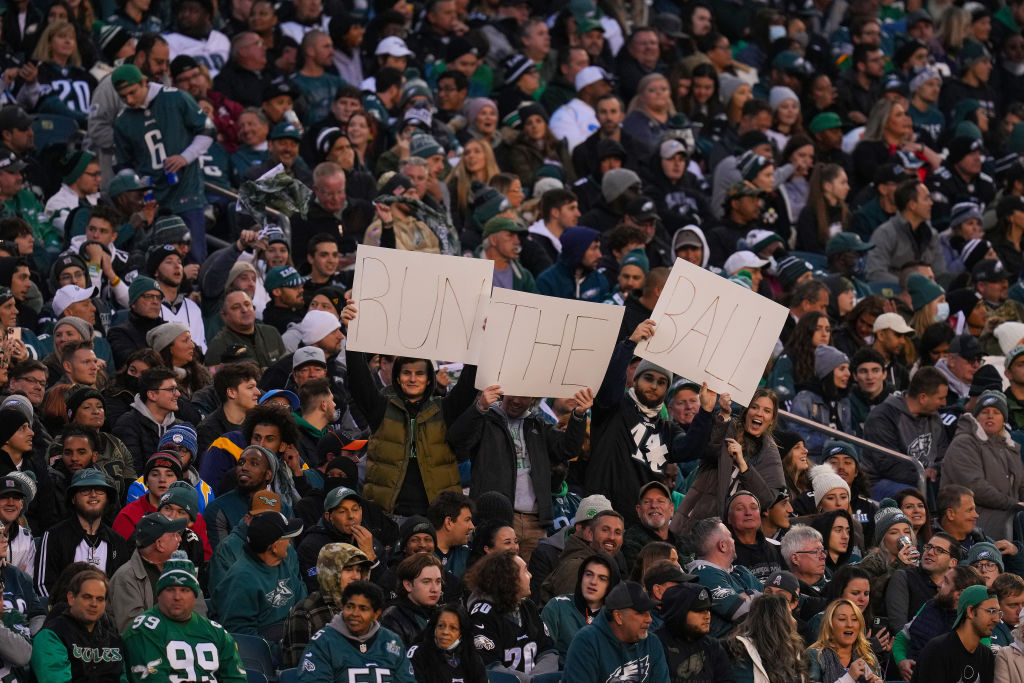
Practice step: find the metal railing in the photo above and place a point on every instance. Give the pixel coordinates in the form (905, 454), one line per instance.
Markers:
(282, 220)
(857, 441)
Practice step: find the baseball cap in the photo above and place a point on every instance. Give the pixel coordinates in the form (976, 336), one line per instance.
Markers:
(784, 580)
(685, 597)
(126, 74)
(393, 46)
(285, 130)
(338, 495)
(670, 148)
(290, 396)
(891, 321)
(10, 162)
(13, 117)
(12, 485)
(278, 89)
(972, 596)
(742, 189)
(154, 525)
(743, 259)
(71, 294)
(590, 506)
(655, 485)
(642, 209)
(499, 223)
(124, 182)
(589, 75)
(308, 354)
(630, 595)
(667, 573)
(265, 501)
(846, 241)
(267, 528)
(282, 276)
(826, 120)
(990, 270)
(966, 346)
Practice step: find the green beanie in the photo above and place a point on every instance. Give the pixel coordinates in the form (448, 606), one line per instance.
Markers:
(76, 164)
(178, 571)
(126, 74)
(637, 257)
(922, 291)
(139, 286)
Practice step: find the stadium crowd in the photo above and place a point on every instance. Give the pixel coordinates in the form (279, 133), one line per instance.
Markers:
(200, 482)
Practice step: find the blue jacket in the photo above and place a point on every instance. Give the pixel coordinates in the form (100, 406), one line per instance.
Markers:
(560, 279)
(597, 655)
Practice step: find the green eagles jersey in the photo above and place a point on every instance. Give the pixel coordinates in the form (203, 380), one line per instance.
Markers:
(216, 165)
(145, 138)
(159, 649)
(317, 95)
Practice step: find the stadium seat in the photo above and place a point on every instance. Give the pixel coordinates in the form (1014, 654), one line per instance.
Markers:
(553, 677)
(254, 676)
(501, 677)
(255, 654)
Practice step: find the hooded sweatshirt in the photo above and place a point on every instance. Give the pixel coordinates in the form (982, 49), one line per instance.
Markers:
(140, 431)
(891, 424)
(561, 279)
(566, 614)
(335, 650)
(681, 232)
(596, 654)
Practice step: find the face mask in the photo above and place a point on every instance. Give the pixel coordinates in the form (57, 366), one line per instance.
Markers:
(454, 645)
(773, 264)
(869, 340)
(942, 315)
(776, 32)
(801, 37)
(1015, 68)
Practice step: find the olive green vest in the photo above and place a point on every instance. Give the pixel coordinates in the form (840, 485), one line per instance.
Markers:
(390, 449)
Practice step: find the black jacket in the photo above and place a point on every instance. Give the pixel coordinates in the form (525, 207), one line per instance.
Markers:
(319, 536)
(130, 336)
(356, 216)
(90, 653)
(485, 439)
(42, 512)
(241, 85)
(57, 551)
(140, 435)
(406, 619)
(703, 660)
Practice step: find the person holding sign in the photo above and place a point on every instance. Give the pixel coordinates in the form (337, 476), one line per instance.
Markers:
(630, 441)
(409, 460)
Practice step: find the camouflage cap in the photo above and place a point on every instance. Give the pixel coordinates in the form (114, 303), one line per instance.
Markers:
(333, 558)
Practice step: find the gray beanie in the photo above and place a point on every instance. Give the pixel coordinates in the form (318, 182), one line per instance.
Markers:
(992, 399)
(727, 86)
(161, 336)
(826, 359)
(83, 328)
(645, 365)
(887, 515)
(616, 181)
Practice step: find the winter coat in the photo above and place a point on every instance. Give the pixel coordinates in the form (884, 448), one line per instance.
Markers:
(319, 536)
(991, 467)
(895, 244)
(484, 438)
(701, 660)
(597, 655)
(132, 592)
(1010, 664)
(524, 159)
(811, 404)
(130, 336)
(140, 432)
(714, 479)
(891, 424)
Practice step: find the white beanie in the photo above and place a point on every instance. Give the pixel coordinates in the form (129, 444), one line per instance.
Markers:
(825, 479)
(1009, 335)
(780, 94)
(316, 325)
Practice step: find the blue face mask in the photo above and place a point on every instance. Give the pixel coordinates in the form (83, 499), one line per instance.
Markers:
(942, 315)
(776, 32)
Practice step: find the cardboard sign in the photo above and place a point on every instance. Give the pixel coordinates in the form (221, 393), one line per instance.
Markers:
(545, 346)
(712, 330)
(419, 305)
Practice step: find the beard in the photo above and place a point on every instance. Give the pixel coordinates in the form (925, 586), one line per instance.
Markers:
(90, 515)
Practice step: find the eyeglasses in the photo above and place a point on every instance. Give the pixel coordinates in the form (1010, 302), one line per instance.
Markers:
(152, 296)
(992, 611)
(820, 552)
(30, 380)
(936, 549)
(985, 566)
(173, 390)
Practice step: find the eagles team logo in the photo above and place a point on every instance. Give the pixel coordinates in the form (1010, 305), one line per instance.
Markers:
(721, 592)
(482, 642)
(280, 596)
(635, 671)
(308, 665)
(393, 648)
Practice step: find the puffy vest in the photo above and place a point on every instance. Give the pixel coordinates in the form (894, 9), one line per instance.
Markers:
(390, 449)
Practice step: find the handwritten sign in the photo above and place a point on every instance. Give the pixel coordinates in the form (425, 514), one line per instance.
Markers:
(545, 346)
(710, 329)
(419, 305)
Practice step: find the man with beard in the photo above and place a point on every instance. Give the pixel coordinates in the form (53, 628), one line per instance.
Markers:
(602, 534)
(732, 586)
(164, 264)
(354, 640)
(241, 329)
(630, 441)
(172, 629)
(78, 644)
(83, 536)
(501, 245)
(255, 471)
(911, 587)
(692, 655)
(144, 301)
(654, 510)
(753, 550)
(342, 522)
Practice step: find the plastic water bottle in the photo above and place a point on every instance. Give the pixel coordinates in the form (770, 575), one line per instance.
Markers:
(148, 196)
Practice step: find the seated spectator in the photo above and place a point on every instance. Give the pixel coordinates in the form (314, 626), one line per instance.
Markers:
(732, 586)
(566, 614)
(341, 522)
(753, 550)
(451, 515)
(152, 412)
(256, 471)
(602, 534)
(686, 609)
(256, 594)
(337, 565)
(162, 469)
(842, 648)
(653, 509)
(444, 652)
(827, 401)
(804, 553)
(987, 559)
(237, 393)
(907, 236)
(229, 549)
(420, 578)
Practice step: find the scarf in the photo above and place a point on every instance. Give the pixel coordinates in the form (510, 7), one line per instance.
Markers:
(438, 223)
(649, 413)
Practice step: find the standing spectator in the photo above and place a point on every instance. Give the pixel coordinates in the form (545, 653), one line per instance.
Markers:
(162, 133)
(907, 236)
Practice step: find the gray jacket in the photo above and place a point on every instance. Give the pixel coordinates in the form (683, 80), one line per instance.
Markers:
(895, 244)
(132, 593)
(891, 424)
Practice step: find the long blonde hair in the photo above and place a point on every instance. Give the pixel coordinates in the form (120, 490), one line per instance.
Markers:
(954, 28)
(861, 647)
(461, 176)
(44, 53)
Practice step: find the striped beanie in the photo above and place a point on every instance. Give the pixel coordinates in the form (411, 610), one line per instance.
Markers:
(178, 571)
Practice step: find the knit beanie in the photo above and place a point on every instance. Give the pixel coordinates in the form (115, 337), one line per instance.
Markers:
(162, 336)
(791, 269)
(494, 506)
(21, 403)
(239, 268)
(637, 257)
(81, 326)
(825, 479)
(163, 459)
(272, 460)
(646, 365)
(987, 378)
(415, 524)
(74, 165)
(826, 359)
(1009, 335)
(11, 419)
(834, 447)
(316, 325)
(779, 94)
(156, 255)
(786, 440)
(471, 109)
(992, 399)
(727, 86)
(139, 286)
(615, 182)
(922, 291)
(985, 551)
(111, 39)
(887, 515)
(178, 571)
(180, 435)
(78, 395)
(184, 495)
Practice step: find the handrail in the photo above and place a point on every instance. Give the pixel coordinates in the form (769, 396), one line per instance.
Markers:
(856, 440)
(282, 220)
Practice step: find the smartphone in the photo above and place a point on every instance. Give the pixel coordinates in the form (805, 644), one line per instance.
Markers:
(14, 333)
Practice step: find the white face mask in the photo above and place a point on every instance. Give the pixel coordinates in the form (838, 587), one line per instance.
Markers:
(942, 315)
(869, 340)
(1015, 68)
(776, 32)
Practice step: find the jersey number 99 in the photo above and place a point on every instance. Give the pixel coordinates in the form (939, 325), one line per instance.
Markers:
(181, 656)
